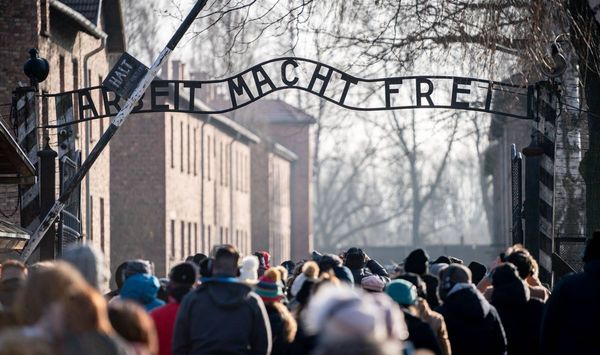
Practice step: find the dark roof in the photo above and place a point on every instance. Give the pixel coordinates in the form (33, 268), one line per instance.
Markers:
(90, 9)
(12, 231)
(13, 160)
(273, 110)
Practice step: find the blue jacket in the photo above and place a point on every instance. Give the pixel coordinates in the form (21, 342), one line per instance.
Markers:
(142, 288)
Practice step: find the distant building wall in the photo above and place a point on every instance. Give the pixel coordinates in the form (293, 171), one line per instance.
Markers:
(197, 169)
(297, 138)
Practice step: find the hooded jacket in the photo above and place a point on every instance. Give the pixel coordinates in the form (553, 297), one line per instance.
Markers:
(521, 316)
(473, 324)
(222, 316)
(142, 288)
(570, 324)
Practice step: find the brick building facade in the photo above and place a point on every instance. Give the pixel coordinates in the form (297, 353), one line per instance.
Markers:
(180, 184)
(79, 39)
(280, 122)
(271, 199)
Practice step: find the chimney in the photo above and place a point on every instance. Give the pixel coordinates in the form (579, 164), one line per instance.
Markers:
(177, 70)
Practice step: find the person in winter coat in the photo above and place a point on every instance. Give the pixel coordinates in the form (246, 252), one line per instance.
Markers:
(570, 323)
(222, 315)
(521, 315)
(420, 333)
(424, 312)
(283, 324)
(417, 262)
(333, 263)
(181, 280)
(142, 288)
(361, 266)
(474, 326)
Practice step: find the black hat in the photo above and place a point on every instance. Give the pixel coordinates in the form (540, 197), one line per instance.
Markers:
(442, 260)
(478, 271)
(184, 273)
(416, 262)
(355, 259)
(592, 249)
(504, 274)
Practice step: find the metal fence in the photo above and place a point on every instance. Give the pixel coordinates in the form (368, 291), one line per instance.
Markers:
(516, 168)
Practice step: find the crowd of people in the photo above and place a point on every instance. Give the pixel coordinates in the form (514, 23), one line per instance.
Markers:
(349, 304)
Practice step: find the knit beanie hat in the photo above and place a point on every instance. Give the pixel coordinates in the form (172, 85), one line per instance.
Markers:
(416, 262)
(269, 287)
(184, 273)
(504, 274)
(478, 271)
(372, 283)
(249, 269)
(402, 291)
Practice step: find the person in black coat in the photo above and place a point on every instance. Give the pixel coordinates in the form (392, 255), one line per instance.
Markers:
(420, 333)
(361, 266)
(474, 326)
(571, 323)
(521, 314)
(222, 315)
(417, 262)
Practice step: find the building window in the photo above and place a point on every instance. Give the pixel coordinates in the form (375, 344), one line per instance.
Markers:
(100, 107)
(208, 243)
(172, 140)
(91, 218)
(61, 71)
(44, 29)
(195, 153)
(189, 239)
(221, 235)
(188, 148)
(173, 238)
(182, 246)
(181, 143)
(102, 240)
(195, 238)
(221, 163)
(227, 235)
(208, 158)
(227, 157)
(45, 114)
(75, 76)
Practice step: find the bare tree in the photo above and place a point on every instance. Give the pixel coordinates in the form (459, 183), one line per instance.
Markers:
(351, 202)
(407, 157)
(141, 28)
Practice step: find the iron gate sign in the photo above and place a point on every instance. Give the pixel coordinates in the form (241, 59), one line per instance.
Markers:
(327, 82)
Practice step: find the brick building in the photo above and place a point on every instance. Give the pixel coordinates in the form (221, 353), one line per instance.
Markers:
(79, 38)
(180, 184)
(280, 122)
(271, 199)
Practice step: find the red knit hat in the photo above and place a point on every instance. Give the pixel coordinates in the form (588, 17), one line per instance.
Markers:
(269, 287)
